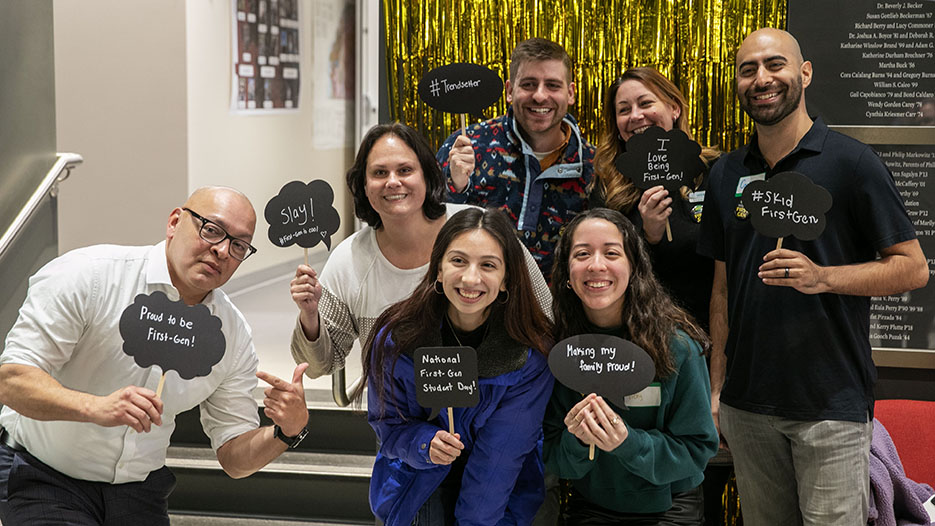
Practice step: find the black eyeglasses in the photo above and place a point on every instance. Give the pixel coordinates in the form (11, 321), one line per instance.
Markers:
(213, 233)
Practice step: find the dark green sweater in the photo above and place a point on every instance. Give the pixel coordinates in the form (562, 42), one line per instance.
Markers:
(667, 448)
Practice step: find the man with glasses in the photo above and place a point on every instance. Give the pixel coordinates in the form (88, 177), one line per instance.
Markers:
(84, 436)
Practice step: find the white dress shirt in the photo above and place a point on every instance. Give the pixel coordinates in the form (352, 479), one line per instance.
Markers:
(69, 328)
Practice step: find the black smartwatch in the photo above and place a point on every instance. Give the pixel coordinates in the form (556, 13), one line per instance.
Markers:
(292, 442)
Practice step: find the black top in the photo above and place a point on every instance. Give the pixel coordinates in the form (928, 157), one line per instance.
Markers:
(685, 274)
(790, 354)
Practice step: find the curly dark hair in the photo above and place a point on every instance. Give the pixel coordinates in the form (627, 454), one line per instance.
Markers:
(411, 322)
(434, 205)
(649, 314)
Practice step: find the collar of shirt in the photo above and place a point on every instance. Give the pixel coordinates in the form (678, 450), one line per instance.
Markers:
(813, 141)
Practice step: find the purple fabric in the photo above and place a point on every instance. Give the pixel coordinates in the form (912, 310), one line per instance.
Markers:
(894, 499)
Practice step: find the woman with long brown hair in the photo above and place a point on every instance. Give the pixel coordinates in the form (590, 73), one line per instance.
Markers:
(649, 460)
(638, 99)
(476, 292)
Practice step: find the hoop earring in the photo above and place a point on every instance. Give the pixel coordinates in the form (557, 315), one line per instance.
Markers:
(567, 283)
(501, 299)
(439, 288)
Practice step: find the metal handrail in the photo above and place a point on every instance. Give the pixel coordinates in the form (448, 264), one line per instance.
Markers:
(342, 396)
(58, 173)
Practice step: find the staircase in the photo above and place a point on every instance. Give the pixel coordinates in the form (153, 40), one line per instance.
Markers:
(325, 480)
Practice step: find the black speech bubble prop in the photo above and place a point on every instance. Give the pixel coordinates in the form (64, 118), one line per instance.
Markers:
(787, 204)
(658, 157)
(460, 88)
(445, 377)
(174, 336)
(599, 363)
(302, 214)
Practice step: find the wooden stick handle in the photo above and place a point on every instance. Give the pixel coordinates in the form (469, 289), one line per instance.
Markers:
(162, 383)
(306, 256)
(451, 420)
(463, 126)
(779, 244)
(591, 452)
(668, 231)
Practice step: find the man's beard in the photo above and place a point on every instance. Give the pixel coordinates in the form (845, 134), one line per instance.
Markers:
(792, 96)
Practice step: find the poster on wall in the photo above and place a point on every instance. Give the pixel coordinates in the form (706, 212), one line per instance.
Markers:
(874, 79)
(333, 73)
(265, 49)
(874, 61)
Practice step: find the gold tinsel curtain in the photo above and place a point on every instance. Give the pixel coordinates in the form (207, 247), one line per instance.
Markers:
(690, 41)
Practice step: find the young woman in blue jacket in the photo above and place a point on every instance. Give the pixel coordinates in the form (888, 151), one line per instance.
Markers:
(490, 470)
(650, 458)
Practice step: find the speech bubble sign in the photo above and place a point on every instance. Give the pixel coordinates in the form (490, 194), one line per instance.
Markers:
(445, 377)
(600, 363)
(302, 214)
(176, 337)
(658, 157)
(787, 203)
(460, 88)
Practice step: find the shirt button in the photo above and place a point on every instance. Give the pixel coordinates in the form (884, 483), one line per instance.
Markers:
(423, 446)
(546, 185)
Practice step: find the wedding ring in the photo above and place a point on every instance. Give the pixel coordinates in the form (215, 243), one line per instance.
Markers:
(787, 272)
(614, 420)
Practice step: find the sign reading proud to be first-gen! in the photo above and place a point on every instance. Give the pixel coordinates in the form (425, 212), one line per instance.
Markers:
(787, 204)
(302, 214)
(445, 377)
(603, 364)
(172, 335)
(460, 88)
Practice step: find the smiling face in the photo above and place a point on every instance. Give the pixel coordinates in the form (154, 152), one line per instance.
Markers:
(540, 95)
(197, 267)
(598, 271)
(637, 108)
(395, 184)
(472, 274)
(771, 76)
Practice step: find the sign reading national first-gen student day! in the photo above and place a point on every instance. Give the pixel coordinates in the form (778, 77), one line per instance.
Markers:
(445, 377)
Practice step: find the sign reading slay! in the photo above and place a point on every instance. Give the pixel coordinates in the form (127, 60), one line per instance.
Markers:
(302, 214)
(598, 363)
(445, 377)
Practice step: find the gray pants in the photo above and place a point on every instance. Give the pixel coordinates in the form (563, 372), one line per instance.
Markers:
(795, 472)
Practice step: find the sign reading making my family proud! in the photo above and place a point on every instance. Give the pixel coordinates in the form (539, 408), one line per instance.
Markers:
(658, 157)
(606, 365)
(302, 214)
(603, 364)
(787, 204)
(460, 88)
(445, 377)
(174, 336)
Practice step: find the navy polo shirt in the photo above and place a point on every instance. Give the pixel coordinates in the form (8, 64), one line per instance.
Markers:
(795, 355)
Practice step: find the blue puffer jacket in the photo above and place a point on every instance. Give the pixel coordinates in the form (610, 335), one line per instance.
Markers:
(503, 476)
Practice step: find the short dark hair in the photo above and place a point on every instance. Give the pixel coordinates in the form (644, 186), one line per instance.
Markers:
(538, 49)
(434, 205)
